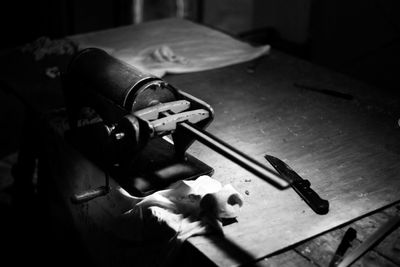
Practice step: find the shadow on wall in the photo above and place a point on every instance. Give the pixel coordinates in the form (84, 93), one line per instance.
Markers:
(360, 38)
(24, 21)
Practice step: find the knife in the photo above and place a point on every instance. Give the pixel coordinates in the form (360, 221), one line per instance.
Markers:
(344, 245)
(300, 185)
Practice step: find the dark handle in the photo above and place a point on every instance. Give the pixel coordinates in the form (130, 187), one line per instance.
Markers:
(344, 245)
(303, 188)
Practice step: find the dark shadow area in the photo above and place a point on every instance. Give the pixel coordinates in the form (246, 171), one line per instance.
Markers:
(30, 234)
(360, 39)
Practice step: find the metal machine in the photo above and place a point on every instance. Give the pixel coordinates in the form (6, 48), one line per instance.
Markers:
(138, 111)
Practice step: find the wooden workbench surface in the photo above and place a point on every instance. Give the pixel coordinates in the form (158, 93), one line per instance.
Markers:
(348, 147)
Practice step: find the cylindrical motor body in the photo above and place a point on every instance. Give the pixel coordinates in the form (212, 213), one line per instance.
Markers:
(111, 86)
(115, 89)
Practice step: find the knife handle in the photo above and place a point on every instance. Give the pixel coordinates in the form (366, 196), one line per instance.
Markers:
(303, 188)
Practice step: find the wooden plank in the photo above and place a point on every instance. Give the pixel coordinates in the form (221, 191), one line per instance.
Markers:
(390, 246)
(341, 146)
(345, 148)
(338, 145)
(373, 259)
(320, 250)
(290, 259)
(367, 226)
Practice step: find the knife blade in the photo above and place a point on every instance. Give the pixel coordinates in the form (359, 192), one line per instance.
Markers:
(300, 185)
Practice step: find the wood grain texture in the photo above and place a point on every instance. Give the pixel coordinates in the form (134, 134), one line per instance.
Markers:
(349, 150)
(341, 146)
(290, 259)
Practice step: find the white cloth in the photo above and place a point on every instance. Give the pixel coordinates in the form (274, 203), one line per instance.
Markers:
(168, 217)
(189, 207)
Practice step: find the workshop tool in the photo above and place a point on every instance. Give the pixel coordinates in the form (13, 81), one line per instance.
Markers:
(138, 111)
(344, 245)
(300, 185)
(371, 241)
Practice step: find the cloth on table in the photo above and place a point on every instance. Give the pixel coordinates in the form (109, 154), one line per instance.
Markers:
(171, 46)
(203, 202)
(185, 209)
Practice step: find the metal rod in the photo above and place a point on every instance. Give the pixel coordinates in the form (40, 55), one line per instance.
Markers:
(236, 156)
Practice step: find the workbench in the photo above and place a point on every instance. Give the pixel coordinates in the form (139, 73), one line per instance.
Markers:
(345, 143)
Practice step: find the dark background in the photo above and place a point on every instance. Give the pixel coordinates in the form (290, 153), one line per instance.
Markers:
(359, 37)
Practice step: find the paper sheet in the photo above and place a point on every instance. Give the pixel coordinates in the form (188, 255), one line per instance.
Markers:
(183, 45)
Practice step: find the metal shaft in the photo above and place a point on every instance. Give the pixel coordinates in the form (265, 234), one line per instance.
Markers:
(236, 156)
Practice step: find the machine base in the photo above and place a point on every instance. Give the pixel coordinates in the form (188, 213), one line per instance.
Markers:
(155, 168)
